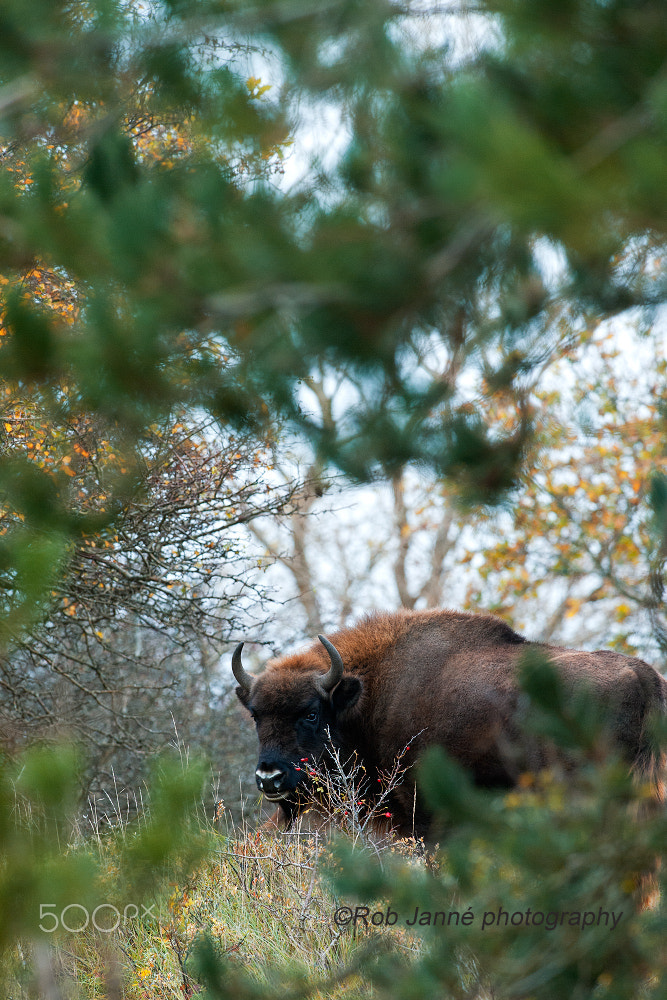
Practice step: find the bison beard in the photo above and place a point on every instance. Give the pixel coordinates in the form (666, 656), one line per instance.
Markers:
(449, 677)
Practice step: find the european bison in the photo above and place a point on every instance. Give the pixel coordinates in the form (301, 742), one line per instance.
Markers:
(449, 677)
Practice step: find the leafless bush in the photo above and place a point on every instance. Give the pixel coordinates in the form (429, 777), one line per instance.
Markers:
(131, 641)
(341, 794)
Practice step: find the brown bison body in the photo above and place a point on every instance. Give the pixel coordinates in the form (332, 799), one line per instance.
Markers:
(417, 679)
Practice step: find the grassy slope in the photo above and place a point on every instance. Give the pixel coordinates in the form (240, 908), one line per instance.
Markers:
(260, 898)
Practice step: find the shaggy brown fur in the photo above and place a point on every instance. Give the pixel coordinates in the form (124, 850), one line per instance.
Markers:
(420, 678)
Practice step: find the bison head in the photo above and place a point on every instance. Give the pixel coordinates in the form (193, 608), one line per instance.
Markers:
(293, 709)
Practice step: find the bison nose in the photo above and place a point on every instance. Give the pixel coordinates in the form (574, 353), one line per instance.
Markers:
(270, 778)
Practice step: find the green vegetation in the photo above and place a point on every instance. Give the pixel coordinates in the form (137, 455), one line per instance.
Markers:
(496, 216)
(541, 891)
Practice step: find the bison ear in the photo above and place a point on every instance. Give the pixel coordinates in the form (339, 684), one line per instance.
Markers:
(346, 693)
(242, 695)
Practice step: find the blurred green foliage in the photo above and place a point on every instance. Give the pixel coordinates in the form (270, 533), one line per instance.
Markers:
(549, 875)
(555, 876)
(202, 282)
(535, 892)
(53, 857)
(196, 281)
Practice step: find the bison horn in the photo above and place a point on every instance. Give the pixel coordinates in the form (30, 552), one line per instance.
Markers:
(335, 673)
(244, 679)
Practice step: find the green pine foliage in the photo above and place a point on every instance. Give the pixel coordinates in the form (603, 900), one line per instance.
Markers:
(61, 874)
(199, 281)
(137, 167)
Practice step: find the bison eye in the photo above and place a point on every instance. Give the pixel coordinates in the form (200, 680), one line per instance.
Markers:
(312, 716)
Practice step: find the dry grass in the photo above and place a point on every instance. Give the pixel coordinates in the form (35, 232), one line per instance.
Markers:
(261, 898)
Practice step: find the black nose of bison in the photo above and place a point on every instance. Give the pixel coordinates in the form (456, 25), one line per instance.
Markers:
(271, 779)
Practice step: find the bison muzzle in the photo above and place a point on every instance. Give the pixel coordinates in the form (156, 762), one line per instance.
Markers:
(416, 679)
